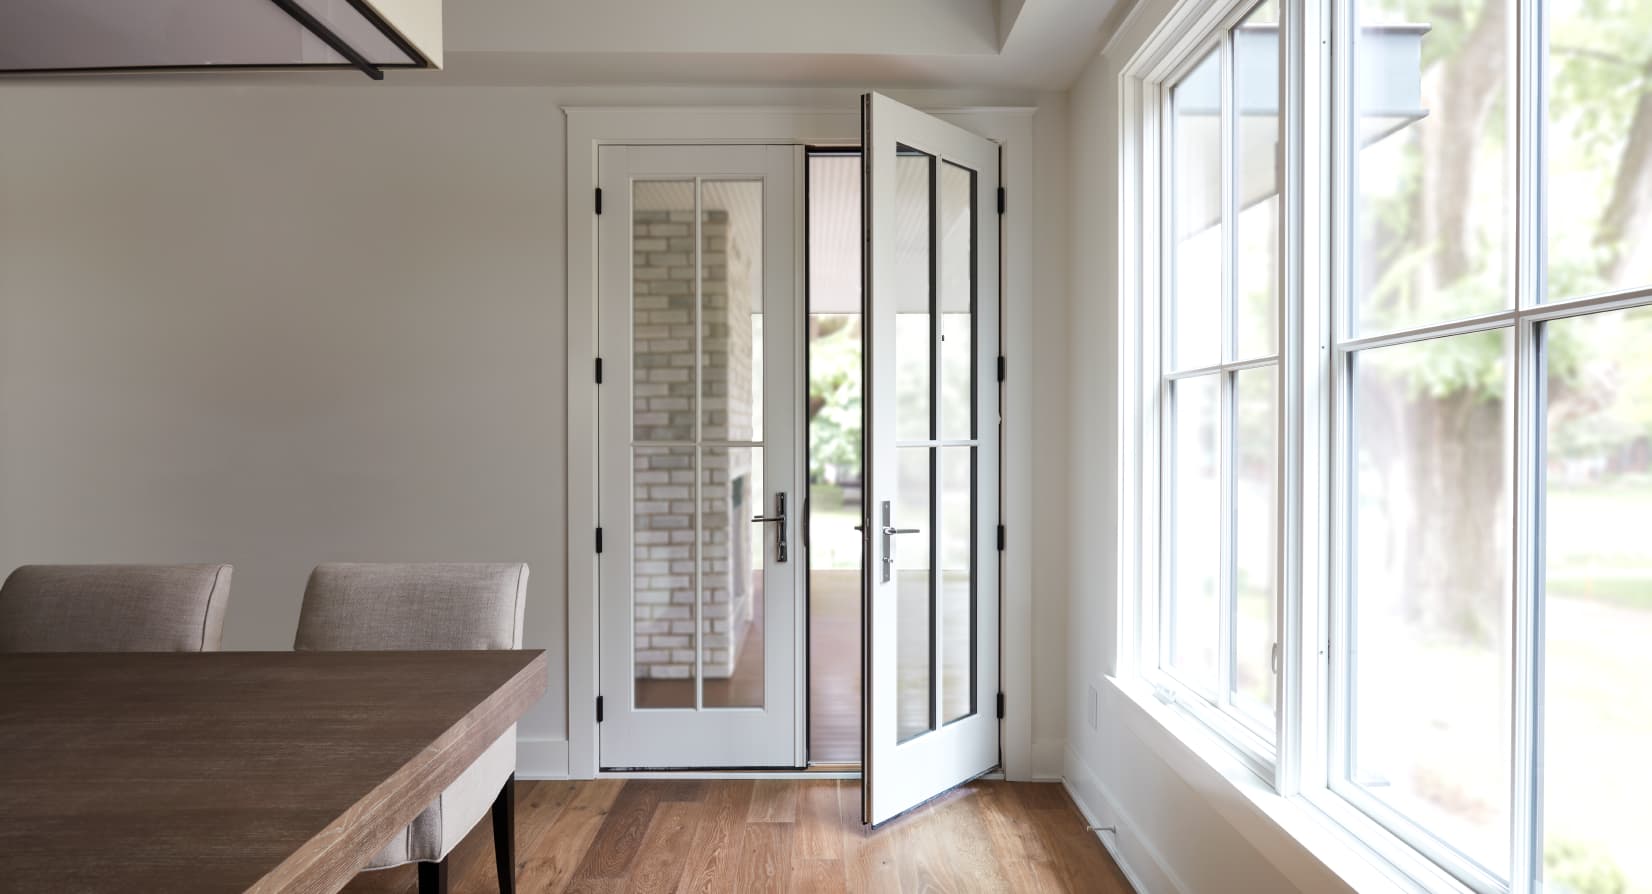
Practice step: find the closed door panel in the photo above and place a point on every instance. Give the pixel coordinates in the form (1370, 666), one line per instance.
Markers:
(699, 432)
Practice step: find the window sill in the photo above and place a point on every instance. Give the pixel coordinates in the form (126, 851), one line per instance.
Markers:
(1306, 846)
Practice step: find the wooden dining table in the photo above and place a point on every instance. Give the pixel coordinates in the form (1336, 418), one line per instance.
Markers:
(234, 771)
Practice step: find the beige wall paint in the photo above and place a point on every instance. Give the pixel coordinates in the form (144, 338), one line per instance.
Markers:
(277, 327)
(280, 325)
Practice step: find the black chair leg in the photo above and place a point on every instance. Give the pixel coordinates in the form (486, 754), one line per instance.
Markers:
(504, 836)
(433, 877)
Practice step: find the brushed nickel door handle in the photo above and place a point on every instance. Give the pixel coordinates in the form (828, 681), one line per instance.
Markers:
(779, 516)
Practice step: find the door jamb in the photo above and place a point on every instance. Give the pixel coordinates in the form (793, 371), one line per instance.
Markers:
(588, 129)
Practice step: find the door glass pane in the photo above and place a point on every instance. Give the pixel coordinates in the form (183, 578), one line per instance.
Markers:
(835, 445)
(1197, 217)
(1599, 122)
(732, 551)
(914, 266)
(663, 308)
(662, 575)
(1430, 709)
(1597, 604)
(731, 308)
(956, 518)
(957, 301)
(1195, 554)
(1255, 554)
(1433, 214)
(914, 633)
(1256, 165)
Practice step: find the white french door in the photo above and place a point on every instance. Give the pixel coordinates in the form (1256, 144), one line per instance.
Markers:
(930, 579)
(700, 486)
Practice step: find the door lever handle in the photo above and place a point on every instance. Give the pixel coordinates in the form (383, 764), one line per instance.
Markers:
(889, 531)
(780, 532)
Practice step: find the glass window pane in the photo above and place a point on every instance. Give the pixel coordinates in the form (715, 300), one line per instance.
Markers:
(662, 575)
(1257, 165)
(1197, 217)
(663, 309)
(731, 575)
(1433, 213)
(957, 301)
(1194, 610)
(914, 630)
(956, 469)
(1597, 147)
(914, 283)
(1597, 608)
(1431, 607)
(1256, 528)
(731, 308)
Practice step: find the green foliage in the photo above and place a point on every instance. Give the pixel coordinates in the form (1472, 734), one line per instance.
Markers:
(834, 398)
(1571, 867)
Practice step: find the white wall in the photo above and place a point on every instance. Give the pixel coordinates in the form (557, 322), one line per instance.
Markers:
(280, 325)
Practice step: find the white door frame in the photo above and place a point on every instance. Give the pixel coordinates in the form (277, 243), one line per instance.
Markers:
(837, 124)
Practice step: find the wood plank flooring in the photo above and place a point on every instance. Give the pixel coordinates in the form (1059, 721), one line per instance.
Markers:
(648, 835)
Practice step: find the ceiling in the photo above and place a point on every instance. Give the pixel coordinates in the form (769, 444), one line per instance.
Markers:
(1034, 44)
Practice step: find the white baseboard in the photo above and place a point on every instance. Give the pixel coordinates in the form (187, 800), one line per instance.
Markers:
(541, 758)
(1140, 861)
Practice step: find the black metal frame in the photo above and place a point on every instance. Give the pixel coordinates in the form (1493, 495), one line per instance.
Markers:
(329, 37)
(298, 14)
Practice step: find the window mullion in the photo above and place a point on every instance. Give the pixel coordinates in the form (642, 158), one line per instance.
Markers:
(1293, 712)
(1339, 599)
(1227, 428)
(1526, 844)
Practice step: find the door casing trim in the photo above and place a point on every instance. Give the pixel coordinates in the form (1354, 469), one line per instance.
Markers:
(587, 129)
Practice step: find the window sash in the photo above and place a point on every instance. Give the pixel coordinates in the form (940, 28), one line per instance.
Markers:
(1253, 739)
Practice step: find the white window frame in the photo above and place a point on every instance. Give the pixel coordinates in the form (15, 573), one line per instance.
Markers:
(1314, 445)
(1149, 277)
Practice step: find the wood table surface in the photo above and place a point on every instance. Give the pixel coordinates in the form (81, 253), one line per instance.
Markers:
(234, 771)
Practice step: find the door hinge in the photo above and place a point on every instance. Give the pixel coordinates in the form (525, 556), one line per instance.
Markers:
(1000, 538)
(599, 540)
(599, 709)
(1001, 200)
(1002, 367)
(599, 370)
(1000, 706)
(599, 200)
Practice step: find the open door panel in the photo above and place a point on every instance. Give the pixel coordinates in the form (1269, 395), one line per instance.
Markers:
(930, 583)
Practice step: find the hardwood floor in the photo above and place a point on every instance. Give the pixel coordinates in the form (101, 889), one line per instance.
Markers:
(648, 835)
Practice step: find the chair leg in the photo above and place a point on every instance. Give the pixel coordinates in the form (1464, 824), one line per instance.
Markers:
(504, 836)
(433, 877)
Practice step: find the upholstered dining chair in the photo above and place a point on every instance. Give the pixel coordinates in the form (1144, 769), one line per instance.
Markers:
(114, 608)
(351, 607)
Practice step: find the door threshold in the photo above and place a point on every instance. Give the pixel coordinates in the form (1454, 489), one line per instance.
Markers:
(835, 767)
(777, 773)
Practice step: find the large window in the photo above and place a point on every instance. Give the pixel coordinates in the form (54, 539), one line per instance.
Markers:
(1394, 309)
(1219, 380)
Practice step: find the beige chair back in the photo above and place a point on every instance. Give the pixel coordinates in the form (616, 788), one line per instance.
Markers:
(350, 607)
(114, 608)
